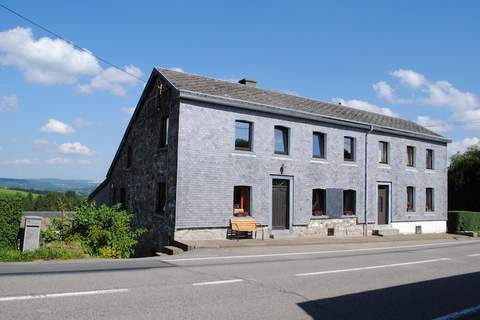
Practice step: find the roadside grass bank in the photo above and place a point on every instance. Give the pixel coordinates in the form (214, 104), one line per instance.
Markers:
(53, 251)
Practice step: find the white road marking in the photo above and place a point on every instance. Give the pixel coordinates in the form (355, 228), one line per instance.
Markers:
(216, 282)
(371, 267)
(317, 252)
(62, 295)
(459, 314)
(474, 255)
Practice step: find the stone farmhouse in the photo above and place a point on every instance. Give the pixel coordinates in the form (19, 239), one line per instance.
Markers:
(198, 148)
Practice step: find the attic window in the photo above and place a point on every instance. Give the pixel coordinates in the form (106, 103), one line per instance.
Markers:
(129, 157)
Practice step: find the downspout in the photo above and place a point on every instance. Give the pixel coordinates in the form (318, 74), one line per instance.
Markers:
(365, 222)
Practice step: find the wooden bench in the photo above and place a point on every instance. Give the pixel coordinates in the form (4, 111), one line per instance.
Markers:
(239, 225)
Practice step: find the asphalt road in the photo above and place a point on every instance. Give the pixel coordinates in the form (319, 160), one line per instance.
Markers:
(400, 280)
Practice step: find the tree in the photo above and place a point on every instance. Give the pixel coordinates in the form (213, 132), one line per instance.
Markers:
(464, 180)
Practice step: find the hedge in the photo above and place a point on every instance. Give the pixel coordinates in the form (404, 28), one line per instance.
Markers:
(463, 221)
(10, 217)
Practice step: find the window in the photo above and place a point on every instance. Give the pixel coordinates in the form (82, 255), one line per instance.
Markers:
(129, 156)
(281, 140)
(318, 147)
(243, 135)
(429, 200)
(429, 160)
(318, 202)
(383, 152)
(349, 199)
(410, 199)
(349, 148)
(161, 197)
(123, 198)
(114, 196)
(410, 156)
(164, 134)
(241, 200)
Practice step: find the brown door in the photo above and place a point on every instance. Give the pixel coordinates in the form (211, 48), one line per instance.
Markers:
(280, 203)
(383, 204)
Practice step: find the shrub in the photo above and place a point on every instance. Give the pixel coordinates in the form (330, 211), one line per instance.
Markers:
(104, 231)
(463, 221)
(10, 217)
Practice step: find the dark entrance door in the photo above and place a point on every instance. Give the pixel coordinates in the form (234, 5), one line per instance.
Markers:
(280, 203)
(383, 204)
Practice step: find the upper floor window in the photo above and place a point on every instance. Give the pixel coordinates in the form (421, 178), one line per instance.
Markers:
(129, 156)
(318, 147)
(241, 200)
(411, 156)
(429, 160)
(318, 202)
(429, 203)
(348, 148)
(123, 198)
(349, 200)
(164, 134)
(383, 152)
(281, 140)
(410, 199)
(243, 135)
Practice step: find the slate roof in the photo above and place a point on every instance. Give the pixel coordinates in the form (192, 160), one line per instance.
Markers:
(229, 90)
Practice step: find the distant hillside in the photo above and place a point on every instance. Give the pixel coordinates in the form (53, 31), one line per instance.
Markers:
(83, 187)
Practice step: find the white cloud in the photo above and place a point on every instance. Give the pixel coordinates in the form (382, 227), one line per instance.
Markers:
(462, 145)
(409, 77)
(463, 105)
(74, 148)
(58, 161)
(55, 61)
(46, 60)
(81, 123)
(55, 126)
(40, 142)
(366, 106)
(9, 103)
(384, 91)
(113, 80)
(177, 69)
(20, 162)
(128, 111)
(438, 126)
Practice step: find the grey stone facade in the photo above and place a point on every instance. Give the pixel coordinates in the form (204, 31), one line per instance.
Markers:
(201, 167)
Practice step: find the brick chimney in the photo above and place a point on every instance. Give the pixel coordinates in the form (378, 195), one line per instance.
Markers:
(248, 82)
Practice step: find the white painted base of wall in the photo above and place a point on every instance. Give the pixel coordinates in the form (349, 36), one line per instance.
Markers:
(427, 226)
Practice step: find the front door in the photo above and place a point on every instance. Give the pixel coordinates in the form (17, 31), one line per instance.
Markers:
(383, 205)
(280, 204)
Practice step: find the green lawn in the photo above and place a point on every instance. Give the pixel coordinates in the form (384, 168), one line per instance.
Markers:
(9, 192)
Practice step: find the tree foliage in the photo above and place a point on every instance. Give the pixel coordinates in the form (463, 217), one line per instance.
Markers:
(464, 180)
(10, 217)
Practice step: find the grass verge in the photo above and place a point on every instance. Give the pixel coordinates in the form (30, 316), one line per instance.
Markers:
(53, 251)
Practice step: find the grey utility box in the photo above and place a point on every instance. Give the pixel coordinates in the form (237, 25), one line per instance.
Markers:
(31, 236)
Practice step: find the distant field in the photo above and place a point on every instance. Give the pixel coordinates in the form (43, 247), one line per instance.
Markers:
(4, 191)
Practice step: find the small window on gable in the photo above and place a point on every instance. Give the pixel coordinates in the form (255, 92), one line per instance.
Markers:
(123, 198)
(243, 135)
(281, 140)
(164, 133)
(161, 197)
(318, 202)
(410, 156)
(348, 149)
(429, 160)
(429, 200)
(410, 199)
(349, 201)
(129, 156)
(241, 200)
(383, 152)
(318, 147)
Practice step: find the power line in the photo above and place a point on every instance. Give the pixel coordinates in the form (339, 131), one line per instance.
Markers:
(38, 25)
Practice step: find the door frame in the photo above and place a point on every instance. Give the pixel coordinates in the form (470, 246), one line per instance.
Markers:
(290, 200)
(390, 204)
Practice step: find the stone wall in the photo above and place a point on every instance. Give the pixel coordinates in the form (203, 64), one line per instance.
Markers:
(151, 164)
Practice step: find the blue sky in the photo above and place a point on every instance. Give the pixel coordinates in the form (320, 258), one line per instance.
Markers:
(63, 112)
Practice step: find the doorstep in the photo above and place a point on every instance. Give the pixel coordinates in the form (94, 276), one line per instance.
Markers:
(292, 241)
